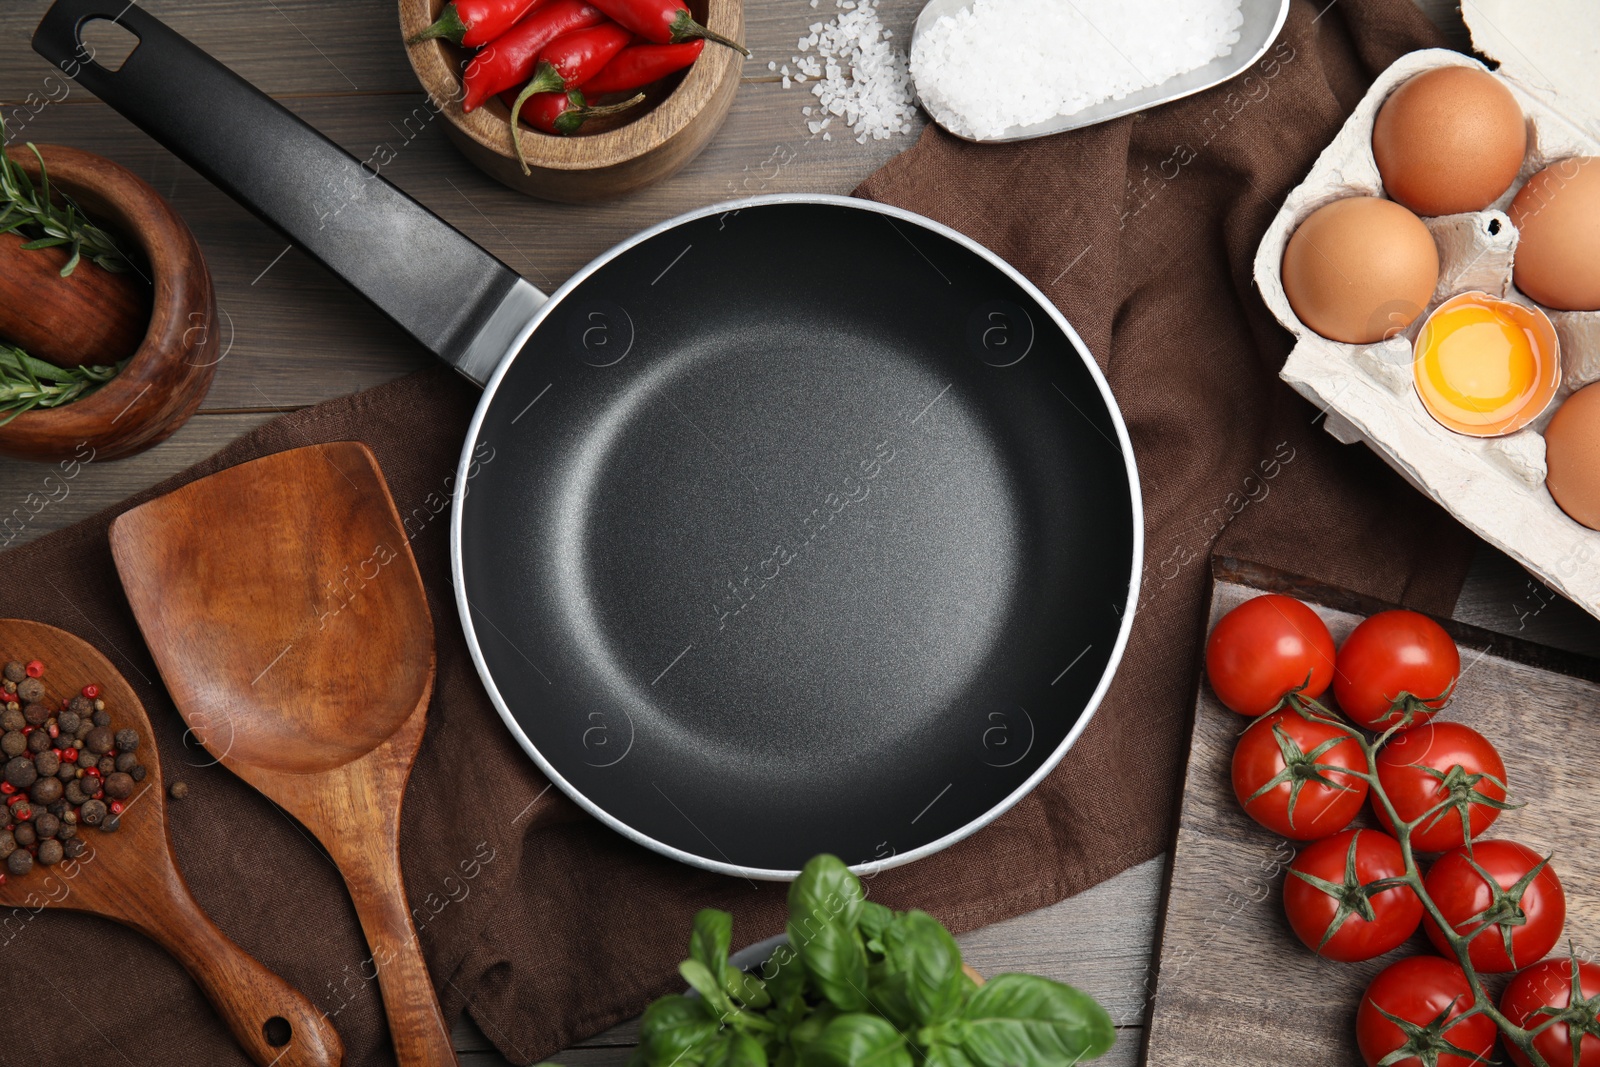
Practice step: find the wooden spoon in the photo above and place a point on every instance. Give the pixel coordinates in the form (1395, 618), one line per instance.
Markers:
(132, 877)
(285, 612)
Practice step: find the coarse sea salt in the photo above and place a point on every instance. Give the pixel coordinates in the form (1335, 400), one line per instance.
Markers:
(996, 64)
(855, 73)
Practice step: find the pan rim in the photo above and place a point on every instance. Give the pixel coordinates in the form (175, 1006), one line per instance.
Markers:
(458, 497)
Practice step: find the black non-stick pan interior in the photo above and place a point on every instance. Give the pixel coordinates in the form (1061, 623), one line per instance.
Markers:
(799, 528)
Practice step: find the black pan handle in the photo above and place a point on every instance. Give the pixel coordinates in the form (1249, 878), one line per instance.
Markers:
(444, 290)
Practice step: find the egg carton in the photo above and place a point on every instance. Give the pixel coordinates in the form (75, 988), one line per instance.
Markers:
(1494, 486)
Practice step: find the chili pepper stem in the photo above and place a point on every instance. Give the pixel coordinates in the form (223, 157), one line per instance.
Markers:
(685, 28)
(582, 113)
(448, 26)
(546, 79)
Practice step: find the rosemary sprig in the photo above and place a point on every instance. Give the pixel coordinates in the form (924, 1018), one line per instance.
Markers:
(27, 383)
(30, 211)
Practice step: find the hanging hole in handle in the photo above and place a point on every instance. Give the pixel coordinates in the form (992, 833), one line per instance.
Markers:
(277, 1031)
(1494, 227)
(106, 43)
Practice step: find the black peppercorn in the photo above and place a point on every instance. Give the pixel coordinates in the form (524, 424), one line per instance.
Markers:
(20, 772)
(39, 740)
(73, 847)
(138, 772)
(13, 743)
(19, 862)
(13, 719)
(93, 813)
(15, 672)
(74, 793)
(46, 791)
(101, 717)
(50, 853)
(59, 808)
(127, 740)
(81, 706)
(68, 771)
(36, 714)
(68, 721)
(119, 786)
(126, 761)
(25, 834)
(46, 826)
(30, 689)
(83, 729)
(98, 741)
(90, 785)
(8, 843)
(107, 766)
(67, 831)
(111, 825)
(47, 763)
(179, 790)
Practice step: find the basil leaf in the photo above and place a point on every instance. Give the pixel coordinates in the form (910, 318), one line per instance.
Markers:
(857, 1040)
(888, 998)
(826, 892)
(784, 974)
(836, 961)
(747, 988)
(810, 1028)
(920, 948)
(702, 981)
(710, 939)
(736, 1049)
(875, 919)
(825, 905)
(1019, 1020)
(677, 1030)
(942, 1055)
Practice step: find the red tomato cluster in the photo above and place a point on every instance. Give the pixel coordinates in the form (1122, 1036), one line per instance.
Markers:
(1302, 772)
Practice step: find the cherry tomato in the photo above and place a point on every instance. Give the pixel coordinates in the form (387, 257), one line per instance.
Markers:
(1266, 647)
(1549, 985)
(1330, 902)
(1286, 776)
(1423, 765)
(1391, 656)
(1429, 994)
(1525, 908)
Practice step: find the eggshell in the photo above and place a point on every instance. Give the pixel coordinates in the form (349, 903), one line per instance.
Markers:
(1557, 215)
(1360, 269)
(1449, 140)
(1572, 456)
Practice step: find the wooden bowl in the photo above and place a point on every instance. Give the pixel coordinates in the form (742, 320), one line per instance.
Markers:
(168, 375)
(607, 158)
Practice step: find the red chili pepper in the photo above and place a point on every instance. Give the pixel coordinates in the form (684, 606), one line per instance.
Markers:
(475, 22)
(663, 21)
(509, 60)
(638, 65)
(34, 668)
(91, 691)
(564, 113)
(574, 58)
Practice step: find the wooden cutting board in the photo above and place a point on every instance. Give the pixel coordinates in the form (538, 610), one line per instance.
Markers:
(1234, 986)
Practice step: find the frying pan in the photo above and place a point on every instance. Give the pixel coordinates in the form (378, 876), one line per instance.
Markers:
(793, 524)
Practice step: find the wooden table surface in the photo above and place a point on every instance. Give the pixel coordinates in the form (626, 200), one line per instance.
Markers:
(296, 336)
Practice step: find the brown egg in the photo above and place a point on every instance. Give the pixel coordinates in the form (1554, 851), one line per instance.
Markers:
(1360, 269)
(1572, 456)
(1450, 139)
(1557, 215)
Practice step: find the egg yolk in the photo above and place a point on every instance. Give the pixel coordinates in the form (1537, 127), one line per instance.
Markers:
(1477, 366)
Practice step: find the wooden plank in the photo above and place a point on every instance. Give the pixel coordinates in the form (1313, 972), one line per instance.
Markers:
(1281, 1005)
(36, 498)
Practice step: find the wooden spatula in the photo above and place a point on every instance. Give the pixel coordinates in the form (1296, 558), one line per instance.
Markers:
(285, 612)
(131, 876)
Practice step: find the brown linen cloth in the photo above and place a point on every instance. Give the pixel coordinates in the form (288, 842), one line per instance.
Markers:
(549, 927)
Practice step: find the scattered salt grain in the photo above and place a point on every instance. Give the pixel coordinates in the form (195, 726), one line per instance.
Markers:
(772, 64)
(855, 73)
(1002, 63)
